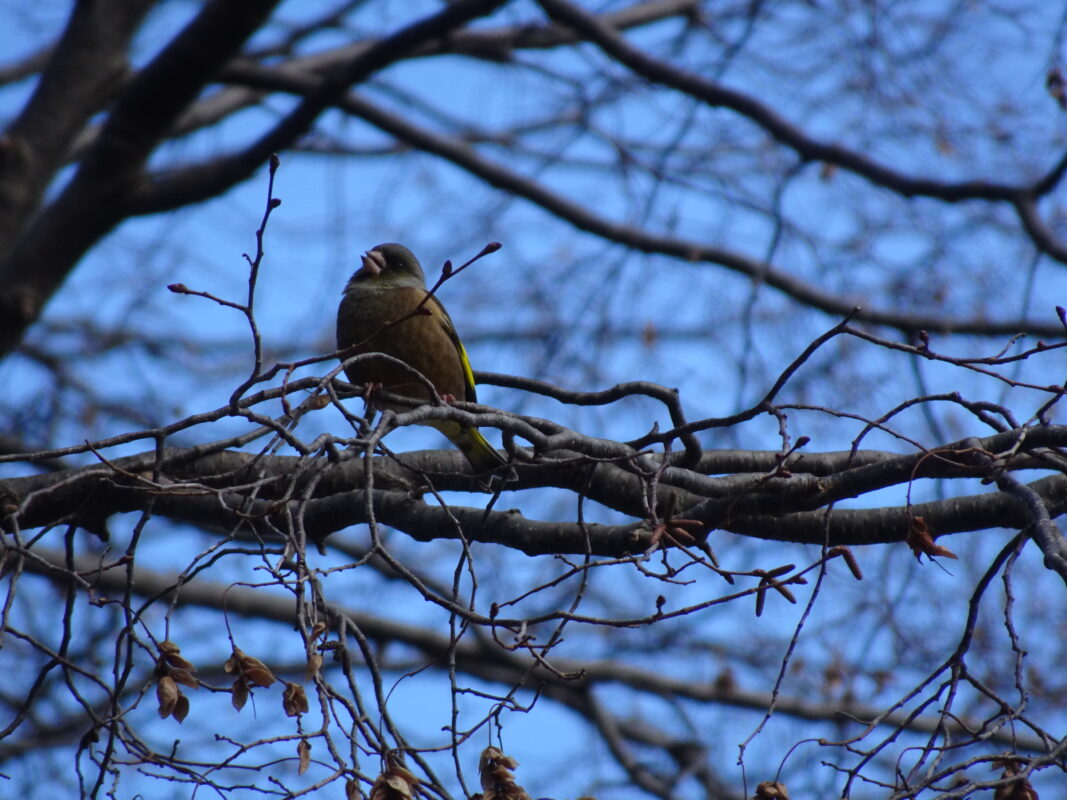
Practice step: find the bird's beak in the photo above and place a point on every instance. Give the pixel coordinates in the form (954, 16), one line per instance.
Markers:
(373, 263)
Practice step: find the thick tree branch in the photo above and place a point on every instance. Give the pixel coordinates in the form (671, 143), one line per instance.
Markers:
(782, 508)
(198, 182)
(492, 43)
(80, 74)
(92, 203)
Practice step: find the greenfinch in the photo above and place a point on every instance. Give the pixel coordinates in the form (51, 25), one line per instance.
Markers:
(386, 309)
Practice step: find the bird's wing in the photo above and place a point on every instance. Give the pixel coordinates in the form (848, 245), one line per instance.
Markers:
(450, 329)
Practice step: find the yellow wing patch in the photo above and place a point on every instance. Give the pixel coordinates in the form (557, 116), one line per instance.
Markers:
(468, 373)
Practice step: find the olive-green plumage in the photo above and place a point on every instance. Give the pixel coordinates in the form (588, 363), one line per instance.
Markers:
(380, 313)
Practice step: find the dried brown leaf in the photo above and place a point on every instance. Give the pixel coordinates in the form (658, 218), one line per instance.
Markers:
(494, 769)
(294, 700)
(171, 653)
(1020, 789)
(250, 668)
(921, 541)
(259, 675)
(771, 790)
(240, 693)
(396, 783)
(233, 662)
(167, 693)
(303, 751)
(184, 677)
(181, 708)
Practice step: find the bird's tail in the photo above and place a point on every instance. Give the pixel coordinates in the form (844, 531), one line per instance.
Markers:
(484, 459)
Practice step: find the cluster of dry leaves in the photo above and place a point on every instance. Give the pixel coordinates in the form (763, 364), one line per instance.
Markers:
(498, 782)
(1018, 789)
(172, 670)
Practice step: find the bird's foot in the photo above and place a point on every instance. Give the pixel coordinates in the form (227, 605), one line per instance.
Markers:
(370, 389)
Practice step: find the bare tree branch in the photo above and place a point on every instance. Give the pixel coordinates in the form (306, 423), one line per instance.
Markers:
(91, 204)
(485, 659)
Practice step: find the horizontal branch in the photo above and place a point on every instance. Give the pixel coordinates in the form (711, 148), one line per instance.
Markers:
(226, 491)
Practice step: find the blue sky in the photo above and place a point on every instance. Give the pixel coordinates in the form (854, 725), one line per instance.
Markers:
(711, 333)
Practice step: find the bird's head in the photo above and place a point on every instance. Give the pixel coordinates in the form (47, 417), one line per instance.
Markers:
(389, 265)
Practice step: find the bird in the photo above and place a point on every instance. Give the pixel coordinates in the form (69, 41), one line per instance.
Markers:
(386, 309)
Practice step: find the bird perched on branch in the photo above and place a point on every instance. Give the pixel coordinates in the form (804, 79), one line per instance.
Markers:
(387, 310)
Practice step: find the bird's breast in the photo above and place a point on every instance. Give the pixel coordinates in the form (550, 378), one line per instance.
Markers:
(393, 322)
